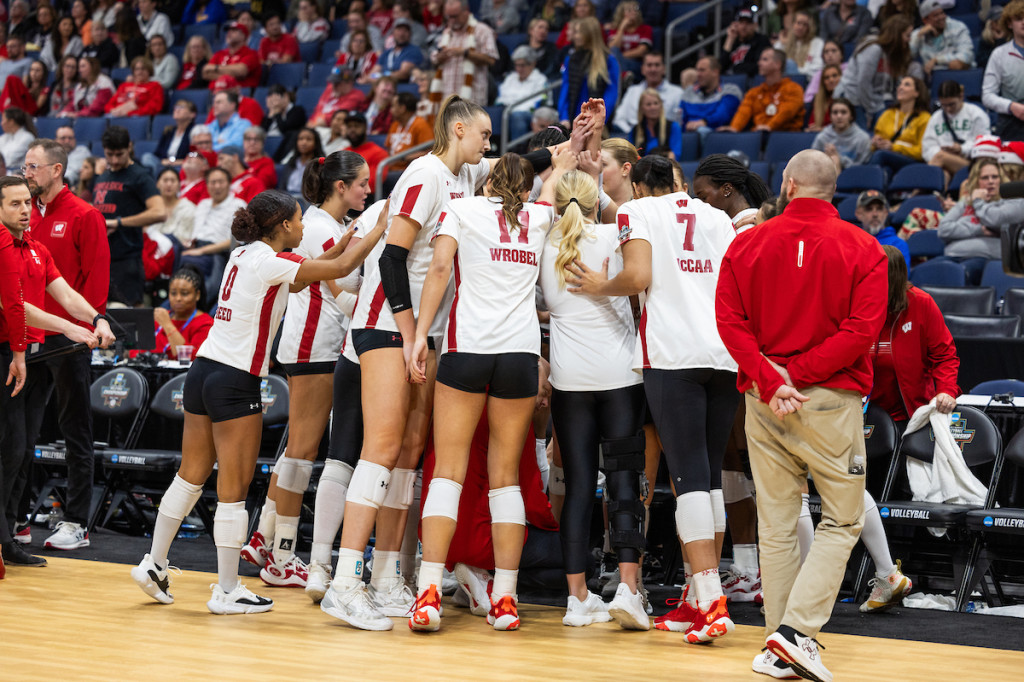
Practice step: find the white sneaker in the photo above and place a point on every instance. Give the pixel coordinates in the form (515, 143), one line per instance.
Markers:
(741, 587)
(628, 609)
(887, 591)
(354, 607)
(476, 584)
(771, 665)
(290, 573)
(393, 599)
(587, 612)
(318, 579)
(154, 580)
(449, 583)
(800, 652)
(68, 535)
(238, 601)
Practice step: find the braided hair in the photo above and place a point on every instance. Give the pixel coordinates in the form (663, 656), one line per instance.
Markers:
(191, 274)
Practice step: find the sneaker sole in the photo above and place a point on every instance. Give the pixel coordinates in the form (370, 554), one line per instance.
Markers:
(583, 621)
(782, 653)
(719, 628)
(142, 579)
(509, 626)
(276, 583)
(248, 555)
(221, 609)
(628, 620)
(67, 548)
(316, 593)
(374, 626)
(22, 540)
(777, 673)
(672, 626)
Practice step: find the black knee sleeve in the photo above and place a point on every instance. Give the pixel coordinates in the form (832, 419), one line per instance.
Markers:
(623, 462)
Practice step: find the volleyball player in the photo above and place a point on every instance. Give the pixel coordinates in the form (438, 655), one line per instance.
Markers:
(311, 339)
(596, 406)
(223, 408)
(728, 185)
(491, 347)
(672, 247)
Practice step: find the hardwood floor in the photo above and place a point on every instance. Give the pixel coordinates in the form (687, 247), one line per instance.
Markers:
(85, 620)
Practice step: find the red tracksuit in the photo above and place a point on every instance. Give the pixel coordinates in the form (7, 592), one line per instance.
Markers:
(36, 270)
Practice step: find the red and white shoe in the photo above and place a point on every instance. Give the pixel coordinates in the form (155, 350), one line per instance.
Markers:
(741, 587)
(680, 618)
(23, 534)
(711, 624)
(426, 612)
(291, 573)
(256, 550)
(504, 613)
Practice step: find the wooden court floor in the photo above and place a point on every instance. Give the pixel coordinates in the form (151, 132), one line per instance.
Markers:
(84, 620)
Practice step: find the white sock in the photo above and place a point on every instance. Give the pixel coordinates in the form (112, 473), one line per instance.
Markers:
(164, 531)
(542, 461)
(387, 567)
(745, 559)
(708, 587)
(873, 537)
(504, 583)
(804, 528)
(431, 573)
(328, 512)
(691, 594)
(268, 521)
(227, 568)
(286, 531)
(350, 568)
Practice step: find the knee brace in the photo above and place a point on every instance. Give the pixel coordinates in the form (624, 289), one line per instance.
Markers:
(507, 505)
(179, 499)
(337, 471)
(556, 484)
(718, 510)
(369, 484)
(230, 525)
(442, 499)
(293, 474)
(623, 462)
(400, 490)
(694, 518)
(734, 487)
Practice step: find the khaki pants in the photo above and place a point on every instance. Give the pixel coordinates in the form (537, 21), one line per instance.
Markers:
(822, 438)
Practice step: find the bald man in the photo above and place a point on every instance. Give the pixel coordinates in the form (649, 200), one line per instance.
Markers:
(800, 301)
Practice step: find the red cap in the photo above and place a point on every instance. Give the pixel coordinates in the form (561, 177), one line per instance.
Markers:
(239, 26)
(209, 155)
(223, 83)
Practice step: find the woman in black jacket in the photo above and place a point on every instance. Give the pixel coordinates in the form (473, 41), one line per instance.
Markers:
(284, 119)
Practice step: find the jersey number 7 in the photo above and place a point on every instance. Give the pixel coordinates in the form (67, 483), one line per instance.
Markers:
(689, 221)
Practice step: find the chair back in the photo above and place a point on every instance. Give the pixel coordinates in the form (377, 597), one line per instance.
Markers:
(168, 400)
(999, 326)
(939, 273)
(973, 430)
(963, 300)
(1014, 386)
(274, 394)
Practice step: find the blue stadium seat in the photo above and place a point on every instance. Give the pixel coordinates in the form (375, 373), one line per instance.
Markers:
(121, 74)
(208, 31)
(958, 179)
(308, 97)
(970, 79)
(47, 127)
(411, 88)
(318, 74)
(689, 170)
(918, 176)
(926, 244)
(495, 113)
(272, 144)
(737, 79)
(339, 27)
(783, 146)
(144, 147)
(329, 50)
(929, 201)
(762, 169)
(157, 125)
(282, 175)
(856, 179)
(722, 143)
(846, 209)
(939, 273)
(178, 50)
(776, 184)
(260, 95)
(289, 75)
(88, 130)
(512, 40)
(1015, 386)
(310, 52)
(993, 276)
(137, 126)
(201, 98)
(691, 147)
(379, 140)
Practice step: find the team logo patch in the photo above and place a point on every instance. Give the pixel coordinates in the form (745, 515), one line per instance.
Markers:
(868, 430)
(59, 229)
(115, 392)
(907, 327)
(624, 229)
(267, 397)
(177, 397)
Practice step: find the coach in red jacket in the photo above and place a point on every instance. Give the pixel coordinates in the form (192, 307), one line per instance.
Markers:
(800, 301)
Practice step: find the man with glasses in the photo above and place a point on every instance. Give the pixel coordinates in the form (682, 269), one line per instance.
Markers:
(260, 165)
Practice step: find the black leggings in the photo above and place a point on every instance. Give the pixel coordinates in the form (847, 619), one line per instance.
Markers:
(347, 419)
(582, 419)
(693, 410)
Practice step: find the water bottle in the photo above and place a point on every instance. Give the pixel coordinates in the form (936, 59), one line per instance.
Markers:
(56, 515)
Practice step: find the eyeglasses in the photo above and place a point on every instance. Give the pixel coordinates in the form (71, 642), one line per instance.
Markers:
(33, 167)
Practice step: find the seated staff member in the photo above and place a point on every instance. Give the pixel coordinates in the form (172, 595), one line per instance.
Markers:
(184, 324)
(223, 408)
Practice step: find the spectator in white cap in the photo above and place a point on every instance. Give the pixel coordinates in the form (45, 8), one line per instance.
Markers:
(1002, 89)
(942, 42)
(952, 130)
(524, 80)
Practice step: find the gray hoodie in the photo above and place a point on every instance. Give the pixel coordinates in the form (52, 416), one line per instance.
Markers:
(867, 86)
(853, 144)
(961, 228)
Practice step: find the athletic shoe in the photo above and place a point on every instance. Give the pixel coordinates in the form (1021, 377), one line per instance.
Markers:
(14, 555)
(154, 580)
(238, 601)
(800, 652)
(587, 612)
(256, 550)
(354, 607)
(318, 579)
(771, 665)
(449, 583)
(627, 609)
(680, 618)
(711, 624)
(291, 573)
(741, 587)
(68, 535)
(393, 599)
(504, 614)
(648, 608)
(23, 533)
(887, 592)
(476, 584)
(426, 613)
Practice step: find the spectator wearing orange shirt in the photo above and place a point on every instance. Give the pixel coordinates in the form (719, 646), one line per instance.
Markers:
(776, 104)
(407, 130)
(141, 96)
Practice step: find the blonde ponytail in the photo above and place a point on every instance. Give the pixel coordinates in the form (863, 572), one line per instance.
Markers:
(576, 198)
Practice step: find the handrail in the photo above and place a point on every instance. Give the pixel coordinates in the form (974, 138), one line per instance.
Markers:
(714, 39)
(507, 113)
(378, 187)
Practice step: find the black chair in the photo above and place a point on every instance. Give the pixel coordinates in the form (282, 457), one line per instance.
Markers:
(999, 326)
(963, 300)
(1013, 302)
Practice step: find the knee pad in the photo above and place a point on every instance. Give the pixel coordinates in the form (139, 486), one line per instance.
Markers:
(734, 487)
(556, 484)
(442, 499)
(230, 525)
(400, 490)
(293, 474)
(336, 471)
(694, 518)
(179, 499)
(369, 484)
(277, 462)
(869, 502)
(718, 510)
(507, 505)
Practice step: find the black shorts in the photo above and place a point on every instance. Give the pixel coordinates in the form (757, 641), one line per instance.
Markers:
(509, 376)
(298, 369)
(220, 392)
(127, 281)
(364, 340)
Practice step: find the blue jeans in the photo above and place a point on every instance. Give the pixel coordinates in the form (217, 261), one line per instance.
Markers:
(891, 161)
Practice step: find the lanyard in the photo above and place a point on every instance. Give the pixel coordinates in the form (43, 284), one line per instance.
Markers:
(183, 327)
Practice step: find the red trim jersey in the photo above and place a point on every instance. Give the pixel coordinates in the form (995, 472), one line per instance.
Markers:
(688, 240)
(496, 270)
(593, 338)
(314, 326)
(253, 296)
(361, 227)
(422, 193)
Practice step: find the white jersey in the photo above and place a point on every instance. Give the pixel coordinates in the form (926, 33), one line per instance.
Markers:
(360, 228)
(745, 213)
(421, 194)
(253, 296)
(688, 239)
(496, 270)
(314, 326)
(592, 337)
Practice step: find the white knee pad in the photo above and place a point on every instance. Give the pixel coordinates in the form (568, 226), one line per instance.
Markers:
(337, 471)
(293, 474)
(556, 483)
(869, 502)
(179, 499)
(277, 462)
(507, 505)
(718, 510)
(694, 518)
(230, 525)
(369, 484)
(400, 490)
(443, 499)
(734, 487)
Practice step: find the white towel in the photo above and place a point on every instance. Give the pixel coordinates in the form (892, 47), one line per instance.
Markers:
(946, 479)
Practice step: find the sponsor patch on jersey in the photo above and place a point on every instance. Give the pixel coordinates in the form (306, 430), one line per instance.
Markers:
(624, 229)
(59, 229)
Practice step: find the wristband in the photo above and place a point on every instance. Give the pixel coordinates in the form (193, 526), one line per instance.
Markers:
(119, 222)
(100, 316)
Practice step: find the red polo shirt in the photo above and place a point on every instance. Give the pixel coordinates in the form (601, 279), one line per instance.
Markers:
(12, 320)
(36, 270)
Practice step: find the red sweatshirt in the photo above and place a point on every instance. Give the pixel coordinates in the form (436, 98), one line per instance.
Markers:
(36, 270)
(76, 235)
(808, 291)
(13, 330)
(149, 98)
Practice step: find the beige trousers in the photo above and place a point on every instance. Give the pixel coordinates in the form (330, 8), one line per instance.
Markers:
(822, 439)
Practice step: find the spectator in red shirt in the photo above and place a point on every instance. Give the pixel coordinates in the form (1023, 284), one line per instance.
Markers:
(183, 323)
(141, 96)
(628, 37)
(197, 56)
(279, 46)
(193, 170)
(340, 93)
(244, 184)
(248, 108)
(237, 59)
(581, 9)
(260, 165)
(94, 89)
(355, 131)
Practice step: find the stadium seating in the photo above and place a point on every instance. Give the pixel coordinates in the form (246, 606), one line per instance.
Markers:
(847, 208)
(310, 52)
(928, 201)
(925, 244)
(1013, 302)
(289, 75)
(47, 127)
(691, 147)
(318, 74)
(939, 273)
(983, 326)
(969, 78)
(856, 179)
(201, 98)
(89, 129)
(994, 276)
(137, 126)
(1015, 386)
(722, 143)
(918, 177)
(963, 300)
(783, 146)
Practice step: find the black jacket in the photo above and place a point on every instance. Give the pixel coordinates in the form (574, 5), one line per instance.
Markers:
(290, 123)
(163, 150)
